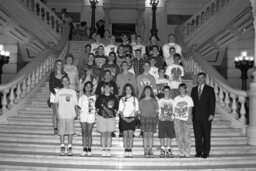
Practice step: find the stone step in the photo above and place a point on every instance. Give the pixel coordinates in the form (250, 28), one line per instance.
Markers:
(132, 163)
(35, 138)
(48, 122)
(119, 151)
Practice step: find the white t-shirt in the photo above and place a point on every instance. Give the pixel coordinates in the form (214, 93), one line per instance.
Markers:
(181, 107)
(72, 72)
(167, 46)
(173, 70)
(95, 47)
(161, 83)
(67, 100)
(128, 106)
(174, 84)
(110, 48)
(154, 72)
(139, 46)
(87, 106)
(165, 111)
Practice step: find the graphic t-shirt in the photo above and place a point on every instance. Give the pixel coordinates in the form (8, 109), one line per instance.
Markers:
(128, 106)
(145, 80)
(181, 107)
(72, 72)
(110, 48)
(87, 105)
(154, 72)
(113, 68)
(165, 111)
(107, 106)
(160, 84)
(94, 48)
(175, 72)
(67, 100)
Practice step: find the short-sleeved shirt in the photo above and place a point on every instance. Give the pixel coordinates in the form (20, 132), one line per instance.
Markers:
(87, 105)
(100, 60)
(67, 100)
(128, 106)
(72, 72)
(113, 68)
(123, 79)
(181, 107)
(110, 48)
(148, 108)
(174, 71)
(165, 108)
(145, 80)
(107, 106)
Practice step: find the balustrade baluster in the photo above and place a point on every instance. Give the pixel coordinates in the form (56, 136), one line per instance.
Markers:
(234, 106)
(207, 79)
(47, 18)
(44, 67)
(216, 90)
(18, 93)
(28, 84)
(4, 101)
(37, 75)
(242, 118)
(57, 26)
(227, 101)
(37, 9)
(221, 97)
(40, 72)
(12, 97)
(24, 87)
(33, 79)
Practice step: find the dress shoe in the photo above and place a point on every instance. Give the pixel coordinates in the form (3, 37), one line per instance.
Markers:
(198, 155)
(205, 155)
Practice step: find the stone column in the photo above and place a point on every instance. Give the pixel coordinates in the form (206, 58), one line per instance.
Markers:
(107, 19)
(251, 129)
(140, 24)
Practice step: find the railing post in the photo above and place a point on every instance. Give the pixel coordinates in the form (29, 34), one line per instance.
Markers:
(251, 129)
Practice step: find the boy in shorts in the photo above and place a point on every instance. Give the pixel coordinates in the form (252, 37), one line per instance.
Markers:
(166, 125)
(66, 105)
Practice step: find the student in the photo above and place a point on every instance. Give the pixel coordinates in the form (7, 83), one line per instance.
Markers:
(160, 63)
(95, 45)
(128, 110)
(171, 43)
(153, 43)
(161, 82)
(166, 125)
(111, 47)
(140, 46)
(175, 71)
(54, 85)
(153, 69)
(112, 66)
(83, 60)
(86, 106)
(120, 55)
(183, 117)
(145, 79)
(106, 79)
(66, 103)
(72, 72)
(84, 78)
(106, 105)
(138, 63)
(125, 44)
(128, 59)
(148, 107)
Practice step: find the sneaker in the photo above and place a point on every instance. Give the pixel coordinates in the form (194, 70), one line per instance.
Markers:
(89, 152)
(84, 152)
(126, 153)
(108, 154)
(62, 151)
(121, 134)
(69, 151)
(146, 154)
(55, 131)
(103, 154)
(141, 135)
(130, 153)
(182, 155)
(151, 155)
(162, 153)
(113, 134)
(169, 153)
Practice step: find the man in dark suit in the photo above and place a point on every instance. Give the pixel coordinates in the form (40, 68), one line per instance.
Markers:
(203, 113)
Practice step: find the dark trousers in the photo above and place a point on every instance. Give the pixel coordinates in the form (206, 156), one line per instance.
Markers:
(202, 131)
(120, 124)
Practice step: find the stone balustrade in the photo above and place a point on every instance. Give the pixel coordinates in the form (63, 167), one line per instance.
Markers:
(200, 18)
(45, 14)
(231, 100)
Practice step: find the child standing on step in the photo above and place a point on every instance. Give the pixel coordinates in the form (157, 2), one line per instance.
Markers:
(66, 103)
(148, 116)
(86, 106)
(106, 105)
(183, 117)
(166, 125)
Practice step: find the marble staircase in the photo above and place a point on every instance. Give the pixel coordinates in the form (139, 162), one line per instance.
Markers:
(27, 143)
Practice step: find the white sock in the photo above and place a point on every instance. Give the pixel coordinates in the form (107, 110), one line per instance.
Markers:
(62, 145)
(70, 145)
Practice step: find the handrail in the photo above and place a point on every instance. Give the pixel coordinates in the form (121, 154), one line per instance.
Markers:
(230, 100)
(197, 20)
(31, 74)
(45, 14)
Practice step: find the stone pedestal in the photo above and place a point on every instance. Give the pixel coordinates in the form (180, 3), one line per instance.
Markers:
(251, 129)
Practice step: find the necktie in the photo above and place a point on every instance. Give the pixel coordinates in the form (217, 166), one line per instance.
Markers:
(199, 91)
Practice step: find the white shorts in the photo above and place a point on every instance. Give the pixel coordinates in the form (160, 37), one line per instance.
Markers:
(89, 118)
(52, 96)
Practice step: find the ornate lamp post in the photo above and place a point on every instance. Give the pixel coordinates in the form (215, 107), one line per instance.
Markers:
(154, 30)
(244, 63)
(4, 59)
(93, 6)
